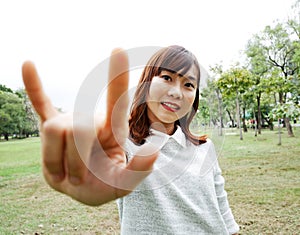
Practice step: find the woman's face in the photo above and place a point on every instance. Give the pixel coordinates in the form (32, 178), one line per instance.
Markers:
(171, 96)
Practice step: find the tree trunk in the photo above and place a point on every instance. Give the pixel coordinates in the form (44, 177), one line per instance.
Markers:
(275, 99)
(271, 126)
(281, 101)
(231, 119)
(289, 127)
(238, 115)
(244, 120)
(258, 113)
(220, 109)
(279, 132)
(255, 123)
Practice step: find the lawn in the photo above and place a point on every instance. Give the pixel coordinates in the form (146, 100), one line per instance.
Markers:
(262, 181)
(30, 206)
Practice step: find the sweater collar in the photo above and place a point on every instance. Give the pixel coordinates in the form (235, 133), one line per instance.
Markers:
(162, 138)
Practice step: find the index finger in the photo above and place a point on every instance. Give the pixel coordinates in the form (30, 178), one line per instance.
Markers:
(37, 96)
(117, 93)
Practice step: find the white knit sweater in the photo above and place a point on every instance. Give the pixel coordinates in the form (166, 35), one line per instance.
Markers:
(183, 195)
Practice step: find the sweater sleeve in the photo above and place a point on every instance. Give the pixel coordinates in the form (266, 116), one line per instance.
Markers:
(224, 207)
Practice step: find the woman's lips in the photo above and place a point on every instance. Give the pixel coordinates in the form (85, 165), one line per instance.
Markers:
(172, 107)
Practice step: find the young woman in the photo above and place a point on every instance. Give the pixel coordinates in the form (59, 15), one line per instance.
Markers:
(183, 194)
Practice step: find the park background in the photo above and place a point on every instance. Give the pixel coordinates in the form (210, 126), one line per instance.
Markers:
(249, 103)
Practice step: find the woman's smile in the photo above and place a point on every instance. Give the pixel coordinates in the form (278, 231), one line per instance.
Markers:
(172, 107)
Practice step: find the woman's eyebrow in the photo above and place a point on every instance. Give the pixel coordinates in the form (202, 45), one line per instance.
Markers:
(192, 78)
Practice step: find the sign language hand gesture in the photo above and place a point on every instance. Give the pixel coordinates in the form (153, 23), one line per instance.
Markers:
(89, 164)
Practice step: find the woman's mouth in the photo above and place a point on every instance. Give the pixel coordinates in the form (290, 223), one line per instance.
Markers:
(170, 106)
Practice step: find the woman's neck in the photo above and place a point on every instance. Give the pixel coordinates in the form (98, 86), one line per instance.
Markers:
(168, 129)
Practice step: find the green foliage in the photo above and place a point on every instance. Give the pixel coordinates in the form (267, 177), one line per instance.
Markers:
(235, 81)
(208, 106)
(287, 110)
(202, 116)
(257, 58)
(271, 75)
(16, 114)
(5, 89)
(294, 19)
(11, 107)
(237, 84)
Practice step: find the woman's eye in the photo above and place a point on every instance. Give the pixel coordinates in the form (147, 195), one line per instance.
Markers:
(166, 77)
(191, 85)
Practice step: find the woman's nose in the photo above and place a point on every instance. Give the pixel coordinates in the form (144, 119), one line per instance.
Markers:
(175, 91)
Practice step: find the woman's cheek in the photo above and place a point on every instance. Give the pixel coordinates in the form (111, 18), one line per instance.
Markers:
(191, 97)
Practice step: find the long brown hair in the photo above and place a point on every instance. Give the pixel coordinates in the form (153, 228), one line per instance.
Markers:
(174, 59)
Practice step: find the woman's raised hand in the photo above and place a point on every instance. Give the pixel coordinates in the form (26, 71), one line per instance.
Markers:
(83, 160)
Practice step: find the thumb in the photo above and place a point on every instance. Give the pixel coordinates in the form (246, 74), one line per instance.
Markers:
(144, 159)
(138, 168)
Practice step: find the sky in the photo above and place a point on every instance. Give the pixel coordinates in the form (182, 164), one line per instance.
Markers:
(66, 39)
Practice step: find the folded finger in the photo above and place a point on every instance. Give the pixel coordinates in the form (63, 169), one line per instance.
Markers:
(78, 146)
(53, 138)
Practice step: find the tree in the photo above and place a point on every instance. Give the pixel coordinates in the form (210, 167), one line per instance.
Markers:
(281, 50)
(259, 67)
(280, 111)
(12, 113)
(218, 70)
(294, 18)
(294, 26)
(208, 105)
(5, 89)
(31, 120)
(235, 83)
(16, 114)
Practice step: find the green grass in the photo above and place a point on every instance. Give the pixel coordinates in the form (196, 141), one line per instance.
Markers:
(262, 181)
(29, 206)
(19, 157)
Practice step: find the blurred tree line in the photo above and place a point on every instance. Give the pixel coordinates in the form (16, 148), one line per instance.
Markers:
(263, 87)
(17, 116)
